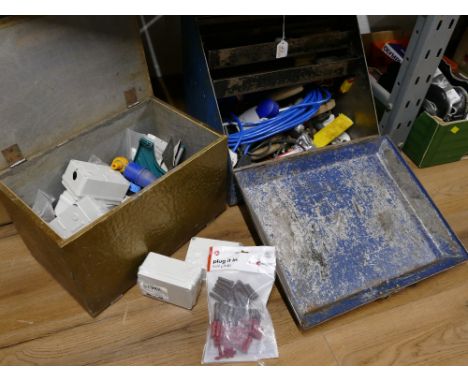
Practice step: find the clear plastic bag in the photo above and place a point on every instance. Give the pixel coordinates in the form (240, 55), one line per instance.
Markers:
(42, 206)
(239, 282)
(96, 160)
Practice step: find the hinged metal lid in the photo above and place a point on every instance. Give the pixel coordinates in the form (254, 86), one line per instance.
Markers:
(61, 75)
(350, 224)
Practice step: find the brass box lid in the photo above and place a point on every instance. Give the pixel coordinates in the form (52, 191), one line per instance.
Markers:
(62, 75)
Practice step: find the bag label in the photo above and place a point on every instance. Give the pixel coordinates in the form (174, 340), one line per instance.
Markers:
(250, 259)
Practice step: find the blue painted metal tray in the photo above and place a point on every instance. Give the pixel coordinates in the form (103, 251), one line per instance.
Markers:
(351, 224)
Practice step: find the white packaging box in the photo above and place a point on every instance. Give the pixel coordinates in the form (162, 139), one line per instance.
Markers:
(76, 216)
(170, 280)
(66, 200)
(199, 249)
(96, 180)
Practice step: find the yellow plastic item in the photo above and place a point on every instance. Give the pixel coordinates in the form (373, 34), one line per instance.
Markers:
(333, 130)
(119, 164)
(346, 85)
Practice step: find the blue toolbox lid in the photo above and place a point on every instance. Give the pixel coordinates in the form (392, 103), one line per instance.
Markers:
(351, 224)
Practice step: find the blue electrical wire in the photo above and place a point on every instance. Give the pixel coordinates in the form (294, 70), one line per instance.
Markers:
(252, 132)
(284, 121)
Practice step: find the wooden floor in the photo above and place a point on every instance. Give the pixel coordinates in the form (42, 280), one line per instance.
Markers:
(423, 324)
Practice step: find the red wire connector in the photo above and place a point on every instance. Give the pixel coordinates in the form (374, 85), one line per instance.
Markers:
(255, 330)
(216, 326)
(235, 322)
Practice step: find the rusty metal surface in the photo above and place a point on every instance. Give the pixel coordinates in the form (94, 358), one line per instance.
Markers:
(12, 154)
(351, 224)
(248, 54)
(63, 74)
(131, 97)
(99, 263)
(229, 31)
(226, 87)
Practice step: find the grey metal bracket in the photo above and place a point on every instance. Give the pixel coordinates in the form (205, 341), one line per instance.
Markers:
(429, 39)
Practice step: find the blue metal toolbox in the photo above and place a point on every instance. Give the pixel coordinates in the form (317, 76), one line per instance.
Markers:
(232, 57)
(351, 224)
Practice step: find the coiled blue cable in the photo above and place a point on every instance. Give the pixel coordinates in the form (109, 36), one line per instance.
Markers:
(252, 132)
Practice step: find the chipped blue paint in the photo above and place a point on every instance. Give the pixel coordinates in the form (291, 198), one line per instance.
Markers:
(351, 224)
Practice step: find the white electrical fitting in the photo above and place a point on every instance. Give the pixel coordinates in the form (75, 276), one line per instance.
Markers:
(66, 200)
(170, 280)
(343, 138)
(322, 124)
(199, 249)
(99, 181)
(76, 216)
(234, 157)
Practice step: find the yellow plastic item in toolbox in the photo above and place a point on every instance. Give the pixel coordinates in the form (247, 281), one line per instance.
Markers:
(119, 164)
(332, 131)
(346, 85)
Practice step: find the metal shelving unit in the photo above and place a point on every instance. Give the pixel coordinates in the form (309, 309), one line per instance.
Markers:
(427, 45)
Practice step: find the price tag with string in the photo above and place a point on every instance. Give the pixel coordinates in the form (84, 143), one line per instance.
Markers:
(282, 46)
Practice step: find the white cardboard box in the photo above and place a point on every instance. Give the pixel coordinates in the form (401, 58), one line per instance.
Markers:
(76, 216)
(170, 280)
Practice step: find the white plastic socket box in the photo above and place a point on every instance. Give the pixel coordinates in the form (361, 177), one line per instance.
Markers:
(96, 180)
(199, 248)
(170, 280)
(66, 200)
(76, 216)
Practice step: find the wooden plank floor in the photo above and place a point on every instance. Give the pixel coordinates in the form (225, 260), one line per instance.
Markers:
(423, 324)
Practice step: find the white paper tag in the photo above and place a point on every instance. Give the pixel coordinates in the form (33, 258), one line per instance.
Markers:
(282, 49)
(453, 96)
(155, 291)
(260, 259)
